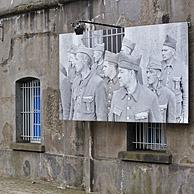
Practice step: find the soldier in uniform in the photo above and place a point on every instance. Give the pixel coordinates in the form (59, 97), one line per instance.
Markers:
(174, 79)
(66, 83)
(133, 102)
(71, 59)
(111, 75)
(65, 95)
(98, 59)
(89, 94)
(166, 97)
(127, 49)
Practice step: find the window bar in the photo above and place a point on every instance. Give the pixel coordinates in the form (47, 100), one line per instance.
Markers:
(159, 136)
(140, 138)
(155, 134)
(36, 124)
(36, 97)
(163, 135)
(34, 112)
(25, 112)
(32, 129)
(136, 140)
(116, 40)
(31, 111)
(39, 116)
(35, 102)
(147, 136)
(37, 112)
(26, 88)
(28, 110)
(31, 108)
(28, 92)
(119, 38)
(111, 44)
(151, 130)
(89, 40)
(120, 34)
(143, 138)
(23, 116)
(107, 40)
(30, 121)
(152, 142)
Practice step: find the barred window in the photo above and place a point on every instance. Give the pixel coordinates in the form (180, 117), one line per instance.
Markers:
(28, 104)
(112, 38)
(146, 136)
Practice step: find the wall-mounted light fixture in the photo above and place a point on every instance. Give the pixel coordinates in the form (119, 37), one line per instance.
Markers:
(1, 31)
(79, 27)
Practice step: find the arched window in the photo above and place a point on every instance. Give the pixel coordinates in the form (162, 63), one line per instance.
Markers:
(28, 114)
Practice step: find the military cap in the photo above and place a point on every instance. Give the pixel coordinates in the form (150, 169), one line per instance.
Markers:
(154, 64)
(86, 50)
(73, 49)
(99, 47)
(126, 42)
(169, 41)
(111, 57)
(129, 62)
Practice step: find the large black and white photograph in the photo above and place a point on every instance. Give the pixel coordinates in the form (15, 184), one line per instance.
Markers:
(132, 74)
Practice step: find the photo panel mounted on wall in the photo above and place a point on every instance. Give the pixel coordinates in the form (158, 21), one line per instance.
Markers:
(132, 74)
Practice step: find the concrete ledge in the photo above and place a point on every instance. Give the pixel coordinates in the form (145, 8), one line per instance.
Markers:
(146, 156)
(30, 147)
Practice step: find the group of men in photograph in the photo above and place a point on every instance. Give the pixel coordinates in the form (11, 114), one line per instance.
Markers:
(100, 85)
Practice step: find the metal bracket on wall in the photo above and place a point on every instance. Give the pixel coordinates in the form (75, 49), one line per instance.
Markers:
(99, 24)
(189, 24)
(188, 20)
(79, 27)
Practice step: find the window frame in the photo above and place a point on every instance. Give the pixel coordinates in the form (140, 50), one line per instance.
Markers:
(146, 137)
(112, 39)
(19, 110)
(153, 156)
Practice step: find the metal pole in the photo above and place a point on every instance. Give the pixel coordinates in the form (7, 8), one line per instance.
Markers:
(100, 24)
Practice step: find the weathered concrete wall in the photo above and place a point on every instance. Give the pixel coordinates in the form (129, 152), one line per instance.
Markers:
(11, 7)
(30, 48)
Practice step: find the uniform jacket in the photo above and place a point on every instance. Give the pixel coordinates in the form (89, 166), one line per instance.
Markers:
(89, 99)
(175, 79)
(65, 97)
(167, 103)
(111, 86)
(98, 68)
(141, 106)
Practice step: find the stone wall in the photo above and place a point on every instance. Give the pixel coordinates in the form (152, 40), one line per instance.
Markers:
(30, 48)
